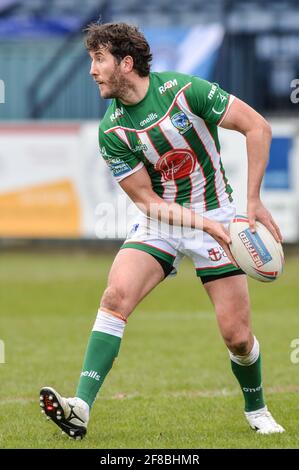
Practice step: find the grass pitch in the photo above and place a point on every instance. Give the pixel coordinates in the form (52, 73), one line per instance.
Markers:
(171, 386)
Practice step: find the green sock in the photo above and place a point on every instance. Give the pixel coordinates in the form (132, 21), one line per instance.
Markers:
(250, 380)
(101, 351)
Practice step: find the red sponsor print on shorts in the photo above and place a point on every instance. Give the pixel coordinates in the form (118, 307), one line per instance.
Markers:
(177, 163)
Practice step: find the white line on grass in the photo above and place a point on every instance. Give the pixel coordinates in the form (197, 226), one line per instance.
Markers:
(180, 394)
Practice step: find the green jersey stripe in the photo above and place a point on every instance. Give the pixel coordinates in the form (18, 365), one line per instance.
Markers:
(228, 188)
(184, 185)
(212, 130)
(214, 137)
(184, 189)
(170, 187)
(154, 135)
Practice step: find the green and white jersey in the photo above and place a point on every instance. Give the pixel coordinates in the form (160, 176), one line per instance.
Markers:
(173, 133)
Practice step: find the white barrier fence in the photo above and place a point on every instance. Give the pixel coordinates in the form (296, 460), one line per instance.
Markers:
(54, 184)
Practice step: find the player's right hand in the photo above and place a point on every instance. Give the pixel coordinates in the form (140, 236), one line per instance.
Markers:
(221, 235)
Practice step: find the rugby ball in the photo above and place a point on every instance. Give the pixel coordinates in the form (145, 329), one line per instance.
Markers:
(258, 254)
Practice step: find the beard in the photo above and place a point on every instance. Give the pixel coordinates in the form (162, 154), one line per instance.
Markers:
(117, 85)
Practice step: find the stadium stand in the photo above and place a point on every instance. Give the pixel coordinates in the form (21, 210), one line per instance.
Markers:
(43, 40)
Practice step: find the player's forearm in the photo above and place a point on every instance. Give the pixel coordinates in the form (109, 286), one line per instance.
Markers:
(138, 188)
(174, 214)
(258, 141)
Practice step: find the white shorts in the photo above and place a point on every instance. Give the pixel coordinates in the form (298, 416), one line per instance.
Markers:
(170, 244)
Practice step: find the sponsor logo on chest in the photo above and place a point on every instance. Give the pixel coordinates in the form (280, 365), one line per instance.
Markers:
(140, 147)
(181, 122)
(151, 117)
(119, 112)
(176, 164)
(167, 85)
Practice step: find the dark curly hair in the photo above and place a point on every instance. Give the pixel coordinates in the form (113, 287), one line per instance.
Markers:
(121, 40)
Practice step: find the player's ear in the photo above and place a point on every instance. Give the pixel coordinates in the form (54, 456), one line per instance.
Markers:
(127, 64)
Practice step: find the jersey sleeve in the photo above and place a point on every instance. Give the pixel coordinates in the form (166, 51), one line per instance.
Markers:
(120, 159)
(208, 100)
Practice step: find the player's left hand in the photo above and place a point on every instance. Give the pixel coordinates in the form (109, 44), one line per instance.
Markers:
(256, 211)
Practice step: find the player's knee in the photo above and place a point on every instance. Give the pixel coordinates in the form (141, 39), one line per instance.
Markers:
(113, 299)
(239, 344)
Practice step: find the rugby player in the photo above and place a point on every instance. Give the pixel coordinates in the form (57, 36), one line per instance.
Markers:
(159, 138)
